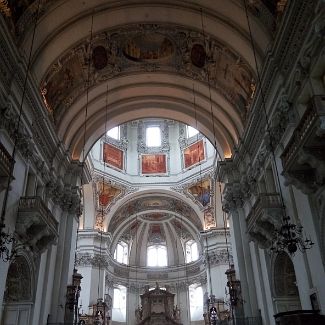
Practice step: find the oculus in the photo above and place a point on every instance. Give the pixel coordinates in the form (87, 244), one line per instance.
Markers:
(99, 57)
(198, 55)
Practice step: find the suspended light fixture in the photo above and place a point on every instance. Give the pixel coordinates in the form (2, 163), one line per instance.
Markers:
(7, 239)
(289, 236)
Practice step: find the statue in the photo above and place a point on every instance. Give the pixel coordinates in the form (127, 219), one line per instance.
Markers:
(213, 315)
(138, 314)
(99, 319)
(176, 313)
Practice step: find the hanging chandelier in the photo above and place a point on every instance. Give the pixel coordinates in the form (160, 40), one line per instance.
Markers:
(289, 237)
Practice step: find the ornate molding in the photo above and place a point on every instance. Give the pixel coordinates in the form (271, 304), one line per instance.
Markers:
(219, 257)
(176, 55)
(87, 259)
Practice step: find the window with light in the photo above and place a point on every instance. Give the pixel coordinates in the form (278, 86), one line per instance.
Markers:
(121, 252)
(196, 302)
(119, 304)
(153, 136)
(192, 253)
(114, 133)
(157, 256)
(191, 132)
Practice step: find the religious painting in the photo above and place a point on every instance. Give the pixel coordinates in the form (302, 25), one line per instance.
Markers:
(209, 220)
(113, 156)
(63, 79)
(107, 193)
(148, 47)
(153, 164)
(201, 191)
(194, 154)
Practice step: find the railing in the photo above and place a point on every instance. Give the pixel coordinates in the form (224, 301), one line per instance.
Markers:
(242, 321)
(35, 203)
(5, 160)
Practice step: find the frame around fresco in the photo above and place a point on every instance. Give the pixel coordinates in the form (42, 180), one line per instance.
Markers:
(191, 149)
(158, 170)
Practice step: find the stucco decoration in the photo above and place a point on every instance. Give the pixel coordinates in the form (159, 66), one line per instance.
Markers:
(156, 234)
(156, 216)
(22, 13)
(143, 48)
(157, 203)
(181, 230)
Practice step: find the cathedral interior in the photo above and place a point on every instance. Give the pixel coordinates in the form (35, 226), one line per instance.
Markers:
(162, 162)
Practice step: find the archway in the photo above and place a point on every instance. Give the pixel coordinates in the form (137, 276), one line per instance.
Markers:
(286, 296)
(18, 297)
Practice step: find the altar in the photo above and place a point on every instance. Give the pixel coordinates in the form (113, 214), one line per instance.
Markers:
(157, 308)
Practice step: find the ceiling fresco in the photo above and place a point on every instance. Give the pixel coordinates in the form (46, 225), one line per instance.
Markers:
(153, 203)
(107, 194)
(147, 48)
(201, 192)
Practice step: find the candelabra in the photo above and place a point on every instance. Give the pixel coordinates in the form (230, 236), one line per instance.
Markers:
(289, 237)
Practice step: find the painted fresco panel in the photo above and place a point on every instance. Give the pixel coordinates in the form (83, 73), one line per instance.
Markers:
(153, 164)
(194, 154)
(113, 156)
(201, 191)
(107, 193)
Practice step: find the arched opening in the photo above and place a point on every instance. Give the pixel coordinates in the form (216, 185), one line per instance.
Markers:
(18, 296)
(286, 296)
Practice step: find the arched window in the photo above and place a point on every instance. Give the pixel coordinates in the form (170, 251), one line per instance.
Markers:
(153, 136)
(196, 302)
(121, 252)
(191, 132)
(119, 304)
(157, 255)
(284, 276)
(114, 133)
(191, 250)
